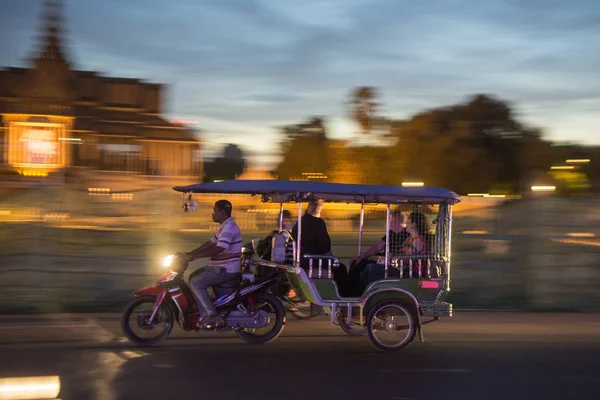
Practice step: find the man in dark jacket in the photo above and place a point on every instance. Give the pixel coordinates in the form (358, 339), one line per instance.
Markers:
(315, 240)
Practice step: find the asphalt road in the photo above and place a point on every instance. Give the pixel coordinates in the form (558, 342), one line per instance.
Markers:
(473, 355)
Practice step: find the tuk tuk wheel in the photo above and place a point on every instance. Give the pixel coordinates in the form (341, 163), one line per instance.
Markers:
(391, 325)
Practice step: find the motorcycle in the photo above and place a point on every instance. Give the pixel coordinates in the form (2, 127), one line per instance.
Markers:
(247, 307)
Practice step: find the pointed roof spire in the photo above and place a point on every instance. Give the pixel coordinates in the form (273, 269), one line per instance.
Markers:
(51, 48)
(50, 74)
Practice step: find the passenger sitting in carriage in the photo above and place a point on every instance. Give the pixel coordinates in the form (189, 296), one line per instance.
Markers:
(417, 242)
(397, 236)
(315, 240)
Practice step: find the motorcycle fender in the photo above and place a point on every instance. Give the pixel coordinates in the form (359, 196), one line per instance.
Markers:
(150, 291)
(157, 291)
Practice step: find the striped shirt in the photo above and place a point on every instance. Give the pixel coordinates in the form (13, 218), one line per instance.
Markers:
(229, 238)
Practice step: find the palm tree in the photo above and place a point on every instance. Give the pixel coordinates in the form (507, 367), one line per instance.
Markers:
(362, 106)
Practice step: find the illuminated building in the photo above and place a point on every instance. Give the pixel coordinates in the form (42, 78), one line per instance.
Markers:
(55, 117)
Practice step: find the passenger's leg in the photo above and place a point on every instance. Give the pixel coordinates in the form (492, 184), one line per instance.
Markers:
(373, 272)
(284, 286)
(355, 283)
(340, 275)
(367, 275)
(393, 272)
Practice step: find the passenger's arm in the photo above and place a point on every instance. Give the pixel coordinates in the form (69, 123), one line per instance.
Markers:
(371, 251)
(421, 244)
(416, 247)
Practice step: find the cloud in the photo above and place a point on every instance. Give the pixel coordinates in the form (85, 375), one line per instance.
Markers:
(271, 98)
(244, 67)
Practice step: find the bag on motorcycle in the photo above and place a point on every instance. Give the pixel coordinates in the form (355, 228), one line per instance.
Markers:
(282, 248)
(263, 248)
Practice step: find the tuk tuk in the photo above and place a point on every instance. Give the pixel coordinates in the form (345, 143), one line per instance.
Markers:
(390, 311)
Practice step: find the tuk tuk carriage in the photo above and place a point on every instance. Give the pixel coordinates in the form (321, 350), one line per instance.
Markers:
(390, 311)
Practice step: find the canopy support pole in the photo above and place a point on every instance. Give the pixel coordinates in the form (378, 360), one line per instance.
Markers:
(387, 240)
(361, 226)
(280, 217)
(299, 240)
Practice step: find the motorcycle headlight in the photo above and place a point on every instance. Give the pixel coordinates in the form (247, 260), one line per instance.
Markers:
(168, 261)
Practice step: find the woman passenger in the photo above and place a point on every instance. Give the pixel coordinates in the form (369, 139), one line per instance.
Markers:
(415, 244)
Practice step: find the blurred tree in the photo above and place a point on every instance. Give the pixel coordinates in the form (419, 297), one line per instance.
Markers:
(345, 165)
(378, 165)
(233, 153)
(362, 106)
(570, 182)
(475, 146)
(470, 147)
(592, 170)
(228, 166)
(584, 178)
(304, 149)
(533, 156)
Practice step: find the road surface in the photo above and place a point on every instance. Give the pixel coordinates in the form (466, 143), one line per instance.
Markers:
(473, 355)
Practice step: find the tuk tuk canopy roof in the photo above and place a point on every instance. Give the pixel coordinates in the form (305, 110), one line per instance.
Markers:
(284, 191)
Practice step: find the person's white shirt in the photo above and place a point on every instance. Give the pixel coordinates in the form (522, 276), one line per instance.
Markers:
(229, 238)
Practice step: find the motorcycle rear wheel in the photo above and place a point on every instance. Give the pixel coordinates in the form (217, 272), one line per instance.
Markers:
(163, 314)
(275, 306)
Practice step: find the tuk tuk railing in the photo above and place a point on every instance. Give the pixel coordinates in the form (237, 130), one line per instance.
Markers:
(332, 262)
(426, 263)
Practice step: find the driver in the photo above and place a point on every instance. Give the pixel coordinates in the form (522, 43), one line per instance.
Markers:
(224, 253)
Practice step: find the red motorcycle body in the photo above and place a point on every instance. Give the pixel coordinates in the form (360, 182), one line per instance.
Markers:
(175, 293)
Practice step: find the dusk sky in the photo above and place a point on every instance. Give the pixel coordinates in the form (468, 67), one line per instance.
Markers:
(243, 67)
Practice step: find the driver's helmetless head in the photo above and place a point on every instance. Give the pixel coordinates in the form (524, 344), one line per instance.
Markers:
(221, 210)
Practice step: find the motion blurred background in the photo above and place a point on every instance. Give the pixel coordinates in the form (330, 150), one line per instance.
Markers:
(497, 103)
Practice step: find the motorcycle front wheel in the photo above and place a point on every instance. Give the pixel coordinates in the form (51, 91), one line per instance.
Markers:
(269, 303)
(136, 324)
